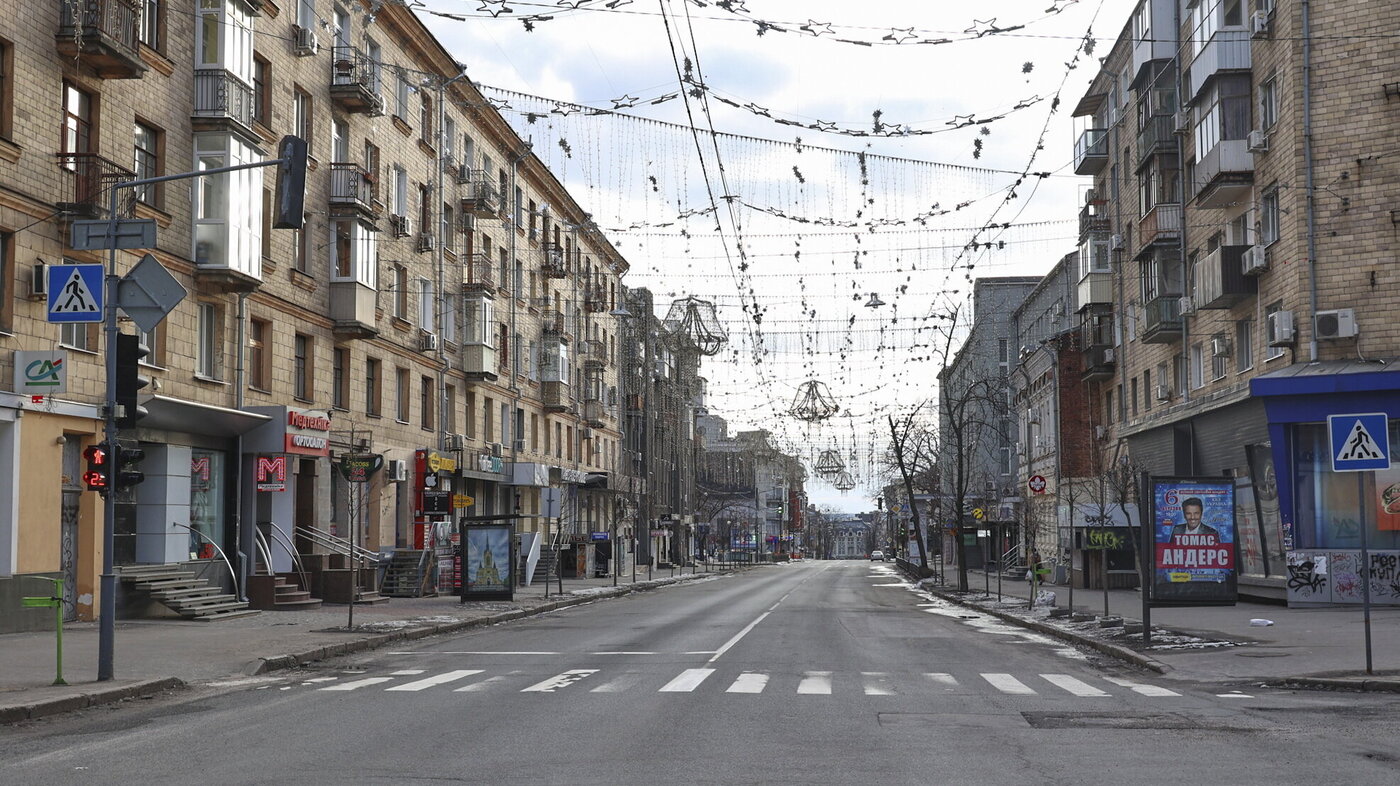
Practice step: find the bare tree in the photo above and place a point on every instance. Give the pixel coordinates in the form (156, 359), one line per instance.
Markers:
(913, 449)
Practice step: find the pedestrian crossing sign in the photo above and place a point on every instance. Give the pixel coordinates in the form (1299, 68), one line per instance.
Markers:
(1360, 443)
(75, 293)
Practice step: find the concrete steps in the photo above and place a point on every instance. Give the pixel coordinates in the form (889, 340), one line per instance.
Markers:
(183, 592)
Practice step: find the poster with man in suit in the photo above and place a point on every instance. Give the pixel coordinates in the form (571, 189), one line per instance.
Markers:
(1194, 554)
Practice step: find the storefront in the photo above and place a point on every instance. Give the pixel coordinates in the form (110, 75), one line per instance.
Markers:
(1326, 515)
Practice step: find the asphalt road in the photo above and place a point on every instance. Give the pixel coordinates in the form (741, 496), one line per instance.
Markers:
(815, 672)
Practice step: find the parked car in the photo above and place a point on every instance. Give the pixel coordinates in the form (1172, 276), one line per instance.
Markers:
(877, 555)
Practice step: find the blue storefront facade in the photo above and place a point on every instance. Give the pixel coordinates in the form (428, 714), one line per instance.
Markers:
(1326, 516)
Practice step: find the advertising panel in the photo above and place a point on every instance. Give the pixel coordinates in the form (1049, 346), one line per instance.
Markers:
(488, 561)
(1193, 532)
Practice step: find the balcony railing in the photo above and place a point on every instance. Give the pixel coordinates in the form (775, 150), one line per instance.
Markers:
(1099, 362)
(483, 199)
(1161, 224)
(84, 180)
(101, 34)
(221, 95)
(479, 275)
(1156, 136)
(479, 362)
(1220, 278)
(1162, 319)
(1091, 152)
(1227, 50)
(352, 185)
(1095, 288)
(354, 80)
(556, 264)
(1093, 220)
(1225, 174)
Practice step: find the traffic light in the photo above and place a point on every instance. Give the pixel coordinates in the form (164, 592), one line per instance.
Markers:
(99, 468)
(780, 509)
(130, 380)
(128, 466)
(289, 205)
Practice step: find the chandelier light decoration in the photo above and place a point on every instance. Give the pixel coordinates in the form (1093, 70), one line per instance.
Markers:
(694, 322)
(814, 403)
(844, 482)
(829, 464)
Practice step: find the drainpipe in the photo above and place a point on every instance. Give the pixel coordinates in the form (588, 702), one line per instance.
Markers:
(1309, 189)
(1186, 272)
(245, 538)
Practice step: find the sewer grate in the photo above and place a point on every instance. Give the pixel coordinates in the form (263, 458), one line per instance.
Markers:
(1099, 720)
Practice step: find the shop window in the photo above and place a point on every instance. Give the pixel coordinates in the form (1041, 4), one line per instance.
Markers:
(206, 501)
(1332, 508)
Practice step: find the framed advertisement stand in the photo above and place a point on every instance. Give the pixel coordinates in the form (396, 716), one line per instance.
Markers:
(1189, 543)
(487, 557)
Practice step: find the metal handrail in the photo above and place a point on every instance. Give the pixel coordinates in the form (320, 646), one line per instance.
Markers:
(286, 544)
(231, 574)
(1013, 551)
(339, 544)
(260, 541)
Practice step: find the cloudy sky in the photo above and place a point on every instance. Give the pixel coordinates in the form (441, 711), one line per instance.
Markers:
(857, 148)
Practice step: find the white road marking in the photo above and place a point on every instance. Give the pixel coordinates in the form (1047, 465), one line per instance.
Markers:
(436, 679)
(686, 681)
(1142, 688)
(1234, 695)
(741, 634)
(473, 652)
(749, 682)
(486, 684)
(406, 672)
(357, 684)
(619, 684)
(626, 653)
(1008, 684)
(319, 679)
(941, 678)
(1076, 686)
(877, 683)
(559, 681)
(815, 683)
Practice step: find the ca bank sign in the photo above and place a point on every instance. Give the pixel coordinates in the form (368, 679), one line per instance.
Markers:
(41, 373)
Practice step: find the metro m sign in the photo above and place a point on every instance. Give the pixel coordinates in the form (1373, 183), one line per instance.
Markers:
(271, 473)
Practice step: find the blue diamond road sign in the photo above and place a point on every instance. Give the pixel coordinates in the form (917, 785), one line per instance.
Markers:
(1359, 442)
(75, 293)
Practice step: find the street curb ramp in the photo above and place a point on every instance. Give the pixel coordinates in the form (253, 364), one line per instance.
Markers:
(92, 698)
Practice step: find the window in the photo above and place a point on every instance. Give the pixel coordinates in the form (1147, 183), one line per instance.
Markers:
(400, 206)
(425, 402)
(301, 247)
(426, 306)
(488, 428)
(78, 336)
(400, 291)
(1223, 115)
(1147, 391)
(401, 395)
(146, 162)
(1268, 102)
(533, 228)
(303, 362)
(301, 115)
(259, 356)
(558, 440)
(7, 88)
(449, 134)
(228, 207)
(306, 14)
(449, 408)
(401, 90)
(7, 278)
(1269, 217)
(471, 415)
(1219, 365)
(340, 378)
(449, 317)
(374, 379)
(268, 211)
(77, 122)
(1197, 366)
(1244, 345)
(207, 363)
(1003, 352)
(1134, 393)
(477, 320)
(262, 97)
(425, 120)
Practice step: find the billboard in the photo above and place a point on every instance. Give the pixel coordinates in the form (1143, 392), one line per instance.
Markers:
(1194, 559)
(488, 560)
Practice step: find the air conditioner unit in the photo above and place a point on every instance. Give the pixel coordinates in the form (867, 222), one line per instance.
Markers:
(520, 446)
(304, 43)
(1279, 330)
(1115, 242)
(1255, 260)
(1335, 324)
(1258, 141)
(1108, 355)
(1259, 24)
(426, 241)
(1100, 432)
(464, 174)
(398, 470)
(400, 226)
(454, 442)
(428, 342)
(1186, 305)
(585, 433)
(39, 281)
(1091, 196)
(1220, 346)
(496, 449)
(1162, 392)
(1183, 121)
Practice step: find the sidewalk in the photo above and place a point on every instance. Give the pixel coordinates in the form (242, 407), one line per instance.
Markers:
(155, 655)
(1323, 647)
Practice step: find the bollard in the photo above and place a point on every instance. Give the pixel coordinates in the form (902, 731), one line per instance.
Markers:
(56, 601)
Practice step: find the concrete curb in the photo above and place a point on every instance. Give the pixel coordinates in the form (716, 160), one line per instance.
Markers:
(1334, 683)
(92, 698)
(1112, 650)
(263, 665)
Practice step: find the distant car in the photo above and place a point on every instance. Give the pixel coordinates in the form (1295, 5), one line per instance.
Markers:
(877, 555)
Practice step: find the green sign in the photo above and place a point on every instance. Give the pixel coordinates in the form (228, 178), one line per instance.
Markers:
(358, 467)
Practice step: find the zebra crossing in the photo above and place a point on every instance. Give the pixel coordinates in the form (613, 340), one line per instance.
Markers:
(751, 682)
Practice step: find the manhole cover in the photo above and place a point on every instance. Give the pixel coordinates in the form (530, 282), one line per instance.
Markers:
(1260, 654)
(1085, 720)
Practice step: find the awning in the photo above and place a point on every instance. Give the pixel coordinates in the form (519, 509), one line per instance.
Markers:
(192, 417)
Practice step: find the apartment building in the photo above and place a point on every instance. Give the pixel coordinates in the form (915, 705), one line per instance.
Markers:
(446, 304)
(1240, 235)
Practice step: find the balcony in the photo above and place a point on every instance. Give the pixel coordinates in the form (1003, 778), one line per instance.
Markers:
(1156, 136)
(1100, 360)
(479, 278)
(483, 199)
(553, 324)
(1095, 289)
(1093, 220)
(84, 183)
(479, 363)
(1162, 224)
(353, 310)
(595, 300)
(556, 263)
(555, 396)
(593, 413)
(1091, 152)
(353, 189)
(1220, 278)
(1225, 175)
(1227, 50)
(220, 100)
(594, 354)
(101, 34)
(1161, 323)
(355, 81)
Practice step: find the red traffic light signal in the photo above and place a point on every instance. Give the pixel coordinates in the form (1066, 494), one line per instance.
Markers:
(98, 468)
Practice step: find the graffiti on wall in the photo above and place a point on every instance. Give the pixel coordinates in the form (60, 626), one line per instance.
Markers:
(1326, 576)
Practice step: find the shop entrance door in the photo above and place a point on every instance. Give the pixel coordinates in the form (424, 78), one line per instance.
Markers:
(305, 514)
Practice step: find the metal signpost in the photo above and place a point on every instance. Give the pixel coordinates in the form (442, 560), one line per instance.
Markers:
(1361, 443)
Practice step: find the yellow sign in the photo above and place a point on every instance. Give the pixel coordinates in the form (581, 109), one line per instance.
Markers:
(1179, 578)
(462, 501)
(440, 463)
(978, 513)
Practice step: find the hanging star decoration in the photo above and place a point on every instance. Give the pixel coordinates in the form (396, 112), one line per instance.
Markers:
(498, 103)
(495, 7)
(563, 108)
(625, 102)
(733, 6)
(817, 28)
(900, 35)
(574, 4)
